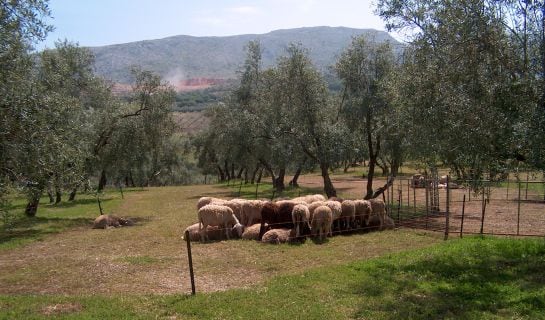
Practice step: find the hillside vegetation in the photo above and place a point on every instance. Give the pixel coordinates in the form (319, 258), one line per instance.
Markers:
(187, 57)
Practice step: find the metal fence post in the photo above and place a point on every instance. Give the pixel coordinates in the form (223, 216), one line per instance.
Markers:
(190, 258)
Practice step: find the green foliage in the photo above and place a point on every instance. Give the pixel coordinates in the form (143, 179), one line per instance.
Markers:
(470, 87)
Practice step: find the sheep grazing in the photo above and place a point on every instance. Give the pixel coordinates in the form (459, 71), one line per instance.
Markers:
(234, 204)
(277, 236)
(251, 232)
(104, 221)
(378, 208)
(311, 198)
(363, 211)
(336, 211)
(321, 222)
(276, 216)
(207, 200)
(374, 223)
(213, 232)
(301, 217)
(348, 214)
(251, 212)
(216, 215)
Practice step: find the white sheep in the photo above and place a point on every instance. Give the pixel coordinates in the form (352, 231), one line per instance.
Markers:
(363, 211)
(348, 214)
(378, 208)
(252, 232)
(321, 222)
(276, 236)
(207, 200)
(309, 198)
(300, 217)
(336, 211)
(213, 232)
(251, 212)
(217, 215)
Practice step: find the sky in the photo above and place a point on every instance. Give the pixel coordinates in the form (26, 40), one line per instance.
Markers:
(104, 22)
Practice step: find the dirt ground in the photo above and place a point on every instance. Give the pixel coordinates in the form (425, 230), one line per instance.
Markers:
(502, 213)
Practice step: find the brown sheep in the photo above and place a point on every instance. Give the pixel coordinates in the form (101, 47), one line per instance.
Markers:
(276, 216)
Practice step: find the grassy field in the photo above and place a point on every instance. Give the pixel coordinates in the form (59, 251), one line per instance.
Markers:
(61, 268)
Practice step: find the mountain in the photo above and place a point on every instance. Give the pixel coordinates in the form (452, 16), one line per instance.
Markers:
(187, 60)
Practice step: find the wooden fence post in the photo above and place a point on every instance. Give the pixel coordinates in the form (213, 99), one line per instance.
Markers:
(463, 213)
(518, 211)
(484, 210)
(190, 258)
(447, 215)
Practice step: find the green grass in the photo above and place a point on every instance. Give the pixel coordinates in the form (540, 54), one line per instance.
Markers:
(265, 190)
(54, 218)
(471, 278)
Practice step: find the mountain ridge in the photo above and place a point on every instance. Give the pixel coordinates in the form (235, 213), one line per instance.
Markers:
(183, 57)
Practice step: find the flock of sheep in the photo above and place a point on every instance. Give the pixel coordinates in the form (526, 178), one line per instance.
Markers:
(285, 220)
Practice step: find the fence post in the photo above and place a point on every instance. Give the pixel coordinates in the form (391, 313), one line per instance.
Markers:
(427, 202)
(526, 193)
(190, 258)
(399, 206)
(408, 195)
(518, 211)
(256, 187)
(447, 209)
(463, 213)
(484, 210)
(414, 199)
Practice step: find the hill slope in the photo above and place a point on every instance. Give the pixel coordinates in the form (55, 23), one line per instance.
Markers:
(181, 58)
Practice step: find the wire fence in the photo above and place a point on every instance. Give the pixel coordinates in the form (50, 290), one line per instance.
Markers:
(510, 207)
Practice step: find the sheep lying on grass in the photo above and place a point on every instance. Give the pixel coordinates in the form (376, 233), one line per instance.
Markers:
(217, 215)
(277, 236)
(213, 232)
(378, 208)
(374, 223)
(104, 221)
(321, 222)
(251, 232)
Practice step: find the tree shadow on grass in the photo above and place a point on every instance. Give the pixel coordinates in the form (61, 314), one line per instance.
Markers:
(37, 227)
(486, 282)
